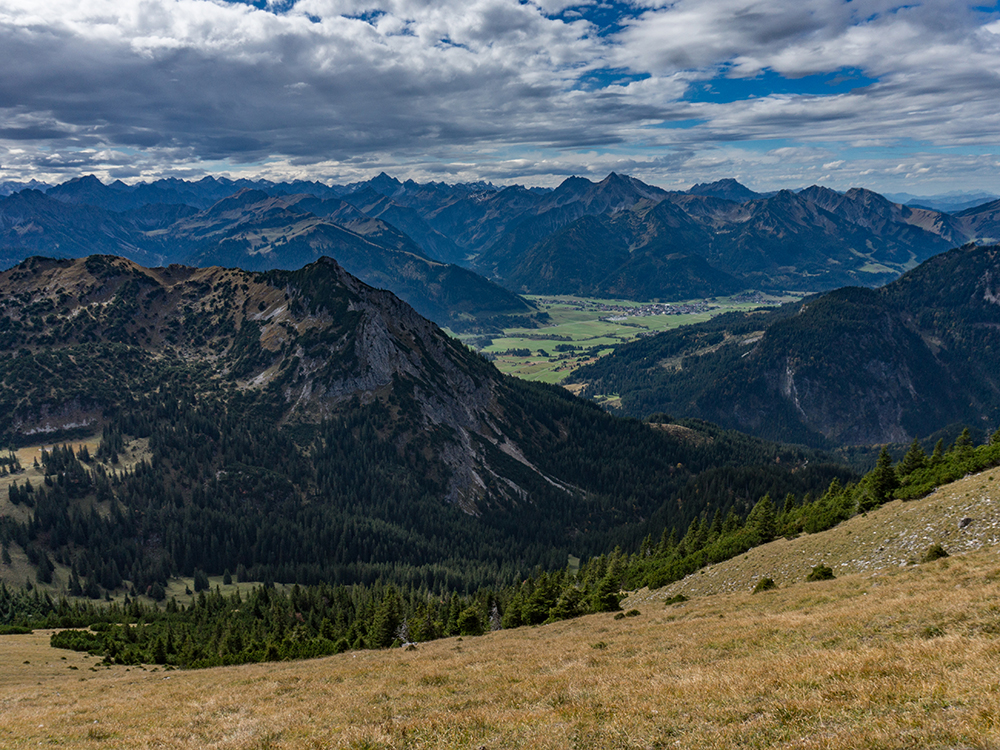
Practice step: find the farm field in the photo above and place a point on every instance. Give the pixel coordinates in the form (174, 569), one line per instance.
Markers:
(583, 329)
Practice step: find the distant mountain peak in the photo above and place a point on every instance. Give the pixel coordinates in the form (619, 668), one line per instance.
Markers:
(575, 182)
(728, 188)
(85, 189)
(240, 199)
(384, 184)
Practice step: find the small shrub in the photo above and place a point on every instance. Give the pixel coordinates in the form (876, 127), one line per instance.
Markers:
(434, 679)
(97, 733)
(676, 599)
(764, 584)
(821, 572)
(633, 613)
(620, 616)
(600, 645)
(935, 552)
(932, 631)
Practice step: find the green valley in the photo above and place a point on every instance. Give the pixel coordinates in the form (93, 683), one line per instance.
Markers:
(575, 331)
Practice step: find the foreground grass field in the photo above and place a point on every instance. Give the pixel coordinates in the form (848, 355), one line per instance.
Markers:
(894, 656)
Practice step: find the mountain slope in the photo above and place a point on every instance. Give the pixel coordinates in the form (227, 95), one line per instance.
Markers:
(811, 241)
(409, 221)
(892, 656)
(727, 189)
(254, 231)
(319, 429)
(633, 255)
(576, 197)
(881, 540)
(900, 230)
(855, 366)
(982, 222)
(31, 223)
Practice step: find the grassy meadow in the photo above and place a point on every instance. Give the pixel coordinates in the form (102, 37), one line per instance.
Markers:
(892, 653)
(583, 323)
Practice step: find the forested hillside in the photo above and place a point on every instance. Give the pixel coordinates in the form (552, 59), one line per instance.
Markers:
(301, 426)
(263, 624)
(852, 367)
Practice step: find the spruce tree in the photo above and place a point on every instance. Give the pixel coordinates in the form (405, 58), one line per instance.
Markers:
(938, 455)
(761, 519)
(386, 620)
(883, 479)
(914, 460)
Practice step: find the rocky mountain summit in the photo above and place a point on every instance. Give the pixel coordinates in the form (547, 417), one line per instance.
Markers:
(308, 341)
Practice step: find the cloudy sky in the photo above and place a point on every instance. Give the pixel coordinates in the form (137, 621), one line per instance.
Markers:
(778, 93)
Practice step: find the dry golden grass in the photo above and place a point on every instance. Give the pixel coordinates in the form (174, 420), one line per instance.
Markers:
(895, 535)
(907, 659)
(892, 655)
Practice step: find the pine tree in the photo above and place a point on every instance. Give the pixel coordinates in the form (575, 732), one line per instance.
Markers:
(914, 460)
(938, 455)
(761, 519)
(963, 449)
(470, 621)
(386, 621)
(883, 479)
(200, 581)
(605, 597)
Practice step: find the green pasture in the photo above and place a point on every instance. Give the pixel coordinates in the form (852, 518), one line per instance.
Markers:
(577, 321)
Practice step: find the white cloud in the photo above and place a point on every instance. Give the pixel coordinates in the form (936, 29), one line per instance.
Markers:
(483, 87)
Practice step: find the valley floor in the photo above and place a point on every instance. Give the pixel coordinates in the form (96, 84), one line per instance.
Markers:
(583, 328)
(905, 658)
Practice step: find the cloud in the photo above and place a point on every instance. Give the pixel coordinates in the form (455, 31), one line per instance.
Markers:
(321, 88)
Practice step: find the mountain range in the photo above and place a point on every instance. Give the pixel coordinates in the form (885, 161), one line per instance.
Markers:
(433, 244)
(252, 230)
(855, 366)
(307, 427)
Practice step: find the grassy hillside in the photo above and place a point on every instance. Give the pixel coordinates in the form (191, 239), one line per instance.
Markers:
(893, 537)
(892, 656)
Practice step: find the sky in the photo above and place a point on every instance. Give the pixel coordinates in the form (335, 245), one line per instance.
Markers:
(777, 94)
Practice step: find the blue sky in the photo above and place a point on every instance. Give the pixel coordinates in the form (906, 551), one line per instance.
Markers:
(784, 93)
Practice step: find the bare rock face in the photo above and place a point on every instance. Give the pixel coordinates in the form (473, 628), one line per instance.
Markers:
(58, 419)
